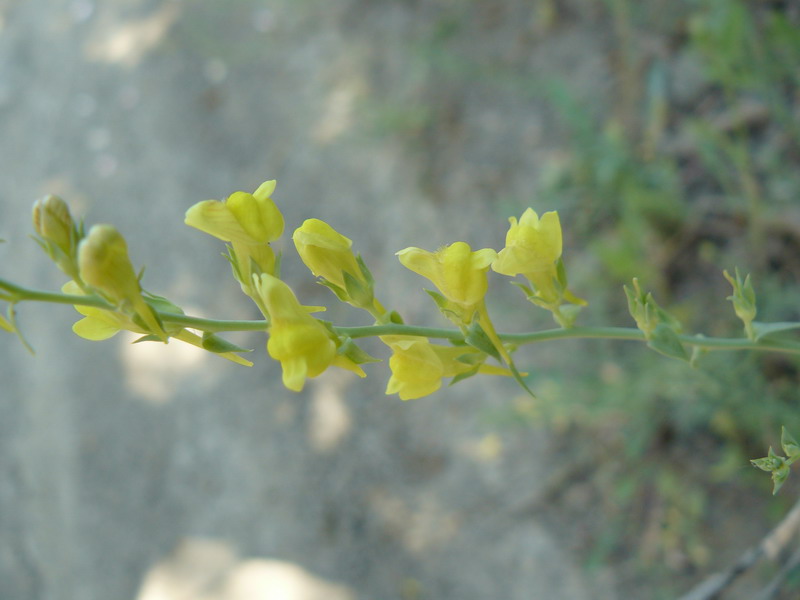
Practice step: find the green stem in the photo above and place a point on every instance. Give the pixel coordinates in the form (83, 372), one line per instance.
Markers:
(19, 294)
(394, 329)
(213, 325)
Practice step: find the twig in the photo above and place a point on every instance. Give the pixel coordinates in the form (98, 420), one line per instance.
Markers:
(771, 547)
(774, 586)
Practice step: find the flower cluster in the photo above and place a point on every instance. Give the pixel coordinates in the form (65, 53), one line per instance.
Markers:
(106, 290)
(100, 269)
(306, 347)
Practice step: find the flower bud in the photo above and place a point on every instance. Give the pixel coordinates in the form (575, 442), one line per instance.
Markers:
(104, 263)
(326, 252)
(743, 299)
(53, 223)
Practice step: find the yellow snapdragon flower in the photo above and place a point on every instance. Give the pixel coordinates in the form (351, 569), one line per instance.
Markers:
(326, 252)
(418, 366)
(303, 346)
(533, 246)
(103, 263)
(249, 222)
(458, 273)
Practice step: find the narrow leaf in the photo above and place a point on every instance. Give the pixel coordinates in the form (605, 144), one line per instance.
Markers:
(665, 341)
(477, 338)
(213, 343)
(765, 330)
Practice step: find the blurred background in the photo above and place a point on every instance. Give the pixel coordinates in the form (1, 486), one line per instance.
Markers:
(664, 132)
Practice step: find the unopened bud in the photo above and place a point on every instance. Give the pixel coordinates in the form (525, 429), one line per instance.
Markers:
(104, 263)
(52, 221)
(743, 299)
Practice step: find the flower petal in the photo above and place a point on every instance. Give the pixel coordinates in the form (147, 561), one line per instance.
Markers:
(215, 218)
(94, 329)
(259, 217)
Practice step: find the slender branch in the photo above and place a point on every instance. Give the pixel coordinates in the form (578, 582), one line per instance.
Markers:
(775, 585)
(213, 325)
(771, 546)
(394, 329)
(18, 293)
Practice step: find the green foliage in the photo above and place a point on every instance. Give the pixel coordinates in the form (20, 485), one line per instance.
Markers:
(678, 183)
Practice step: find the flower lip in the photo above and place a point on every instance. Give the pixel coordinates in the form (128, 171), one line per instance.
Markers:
(243, 217)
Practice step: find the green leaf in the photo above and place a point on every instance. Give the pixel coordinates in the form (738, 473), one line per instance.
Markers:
(352, 351)
(765, 464)
(790, 446)
(11, 313)
(237, 275)
(5, 324)
(137, 318)
(477, 338)
(213, 343)
(665, 341)
(697, 353)
(770, 462)
(525, 288)
(358, 292)
(278, 264)
(440, 300)
(765, 330)
(365, 271)
(569, 313)
(463, 376)
(161, 304)
(340, 293)
(471, 358)
(779, 477)
(518, 378)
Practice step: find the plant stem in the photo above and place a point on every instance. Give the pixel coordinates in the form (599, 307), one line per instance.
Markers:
(16, 293)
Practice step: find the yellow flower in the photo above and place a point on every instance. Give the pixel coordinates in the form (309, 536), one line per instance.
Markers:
(249, 222)
(326, 252)
(304, 347)
(104, 264)
(532, 246)
(99, 324)
(418, 366)
(458, 273)
(416, 369)
(244, 218)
